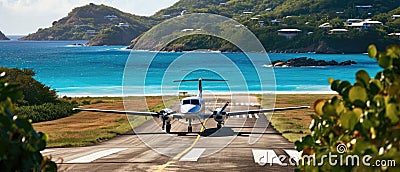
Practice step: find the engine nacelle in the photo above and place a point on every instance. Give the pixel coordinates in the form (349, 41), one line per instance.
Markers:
(165, 114)
(219, 118)
(219, 115)
(166, 111)
(219, 111)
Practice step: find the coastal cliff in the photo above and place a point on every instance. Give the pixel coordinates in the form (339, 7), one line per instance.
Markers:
(3, 37)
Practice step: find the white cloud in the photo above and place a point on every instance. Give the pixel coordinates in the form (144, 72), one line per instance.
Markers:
(26, 16)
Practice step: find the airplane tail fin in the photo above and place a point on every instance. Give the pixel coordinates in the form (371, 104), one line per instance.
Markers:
(200, 80)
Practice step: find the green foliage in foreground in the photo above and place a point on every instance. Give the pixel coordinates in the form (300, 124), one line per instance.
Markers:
(365, 118)
(20, 143)
(46, 112)
(38, 101)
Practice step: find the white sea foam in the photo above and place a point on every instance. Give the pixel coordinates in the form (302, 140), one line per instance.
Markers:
(91, 94)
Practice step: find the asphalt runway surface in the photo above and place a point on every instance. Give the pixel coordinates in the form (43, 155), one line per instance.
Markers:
(244, 143)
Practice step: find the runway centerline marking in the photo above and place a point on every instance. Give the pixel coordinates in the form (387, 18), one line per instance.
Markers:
(97, 155)
(193, 155)
(177, 157)
(47, 150)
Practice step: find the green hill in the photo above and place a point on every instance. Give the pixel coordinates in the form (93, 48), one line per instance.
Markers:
(265, 17)
(101, 24)
(94, 22)
(282, 8)
(3, 37)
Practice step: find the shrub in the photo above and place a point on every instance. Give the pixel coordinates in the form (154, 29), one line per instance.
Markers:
(35, 93)
(86, 102)
(46, 112)
(20, 143)
(98, 101)
(364, 118)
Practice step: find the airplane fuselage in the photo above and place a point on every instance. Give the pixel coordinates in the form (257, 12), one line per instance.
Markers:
(191, 107)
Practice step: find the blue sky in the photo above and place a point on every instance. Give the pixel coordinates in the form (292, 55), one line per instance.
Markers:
(21, 17)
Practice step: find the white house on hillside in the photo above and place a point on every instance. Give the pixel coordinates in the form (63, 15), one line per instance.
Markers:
(365, 24)
(325, 25)
(396, 16)
(289, 33)
(394, 34)
(337, 31)
(123, 25)
(350, 21)
(111, 17)
(187, 30)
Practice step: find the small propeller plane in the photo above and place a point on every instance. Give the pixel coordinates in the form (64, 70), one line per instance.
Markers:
(193, 108)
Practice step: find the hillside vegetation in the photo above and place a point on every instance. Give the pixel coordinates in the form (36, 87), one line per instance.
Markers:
(96, 22)
(264, 18)
(102, 24)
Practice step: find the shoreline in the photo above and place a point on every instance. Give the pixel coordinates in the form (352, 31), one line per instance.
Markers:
(217, 93)
(126, 47)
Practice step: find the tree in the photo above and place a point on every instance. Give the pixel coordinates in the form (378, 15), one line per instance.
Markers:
(20, 143)
(363, 120)
(34, 92)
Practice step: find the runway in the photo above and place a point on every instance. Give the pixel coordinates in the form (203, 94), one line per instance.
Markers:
(228, 149)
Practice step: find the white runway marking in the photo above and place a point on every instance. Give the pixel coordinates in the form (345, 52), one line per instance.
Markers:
(294, 154)
(47, 150)
(96, 155)
(264, 157)
(245, 116)
(193, 155)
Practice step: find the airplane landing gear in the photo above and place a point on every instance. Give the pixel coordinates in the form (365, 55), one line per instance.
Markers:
(219, 125)
(168, 127)
(190, 126)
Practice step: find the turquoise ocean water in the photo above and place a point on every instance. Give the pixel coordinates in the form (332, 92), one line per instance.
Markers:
(99, 71)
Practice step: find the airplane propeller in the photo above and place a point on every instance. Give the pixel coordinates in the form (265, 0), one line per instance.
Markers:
(220, 111)
(226, 105)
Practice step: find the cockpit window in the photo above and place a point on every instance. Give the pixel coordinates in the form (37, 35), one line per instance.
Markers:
(191, 101)
(195, 102)
(186, 102)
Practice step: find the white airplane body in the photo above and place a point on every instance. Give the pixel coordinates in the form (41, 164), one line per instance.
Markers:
(193, 108)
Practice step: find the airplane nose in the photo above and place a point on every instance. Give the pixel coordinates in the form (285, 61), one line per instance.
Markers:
(190, 108)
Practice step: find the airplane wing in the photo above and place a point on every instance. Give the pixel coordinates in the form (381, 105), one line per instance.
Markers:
(265, 110)
(119, 112)
(177, 115)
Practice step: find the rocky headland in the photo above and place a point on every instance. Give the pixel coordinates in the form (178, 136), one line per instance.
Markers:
(3, 37)
(304, 61)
